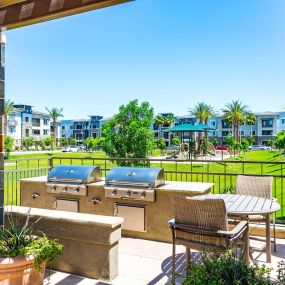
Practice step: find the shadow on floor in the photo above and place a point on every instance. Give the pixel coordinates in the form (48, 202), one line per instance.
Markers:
(166, 268)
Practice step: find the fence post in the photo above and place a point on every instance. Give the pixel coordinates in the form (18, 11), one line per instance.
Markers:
(148, 162)
(51, 162)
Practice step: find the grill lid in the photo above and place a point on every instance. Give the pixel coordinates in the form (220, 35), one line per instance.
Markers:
(74, 174)
(136, 176)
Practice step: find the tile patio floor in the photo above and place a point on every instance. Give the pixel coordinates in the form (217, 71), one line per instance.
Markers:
(143, 262)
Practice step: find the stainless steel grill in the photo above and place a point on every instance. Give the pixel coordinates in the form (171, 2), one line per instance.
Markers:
(72, 179)
(133, 183)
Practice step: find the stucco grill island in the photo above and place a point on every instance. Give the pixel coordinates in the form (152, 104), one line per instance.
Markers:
(139, 195)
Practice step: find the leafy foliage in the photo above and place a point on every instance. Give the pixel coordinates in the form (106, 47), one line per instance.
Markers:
(176, 141)
(73, 141)
(63, 141)
(225, 269)
(236, 113)
(128, 134)
(160, 143)
(8, 146)
(215, 142)
(230, 141)
(47, 142)
(18, 240)
(28, 142)
(91, 143)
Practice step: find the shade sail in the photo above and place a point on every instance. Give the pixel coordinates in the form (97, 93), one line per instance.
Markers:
(189, 128)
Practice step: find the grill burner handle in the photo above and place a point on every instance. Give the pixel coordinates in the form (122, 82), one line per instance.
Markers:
(35, 195)
(96, 201)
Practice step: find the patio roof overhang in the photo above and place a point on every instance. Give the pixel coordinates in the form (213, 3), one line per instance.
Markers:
(19, 13)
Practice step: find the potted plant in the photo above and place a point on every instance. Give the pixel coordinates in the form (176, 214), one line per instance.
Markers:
(23, 256)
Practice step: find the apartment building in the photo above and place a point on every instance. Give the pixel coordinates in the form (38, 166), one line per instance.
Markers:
(268, 124)
(81, 129)
(28, 122)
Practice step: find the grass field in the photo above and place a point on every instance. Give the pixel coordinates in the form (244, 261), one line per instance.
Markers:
(222, 174)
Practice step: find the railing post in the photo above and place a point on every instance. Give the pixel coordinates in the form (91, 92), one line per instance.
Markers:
(50, 162)
(148, 162)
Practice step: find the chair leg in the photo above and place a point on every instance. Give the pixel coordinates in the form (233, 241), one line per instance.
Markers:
(246, 247)
(188, 257)
(274, 232)
(173, 257)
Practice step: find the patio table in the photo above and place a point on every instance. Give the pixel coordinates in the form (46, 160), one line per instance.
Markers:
(244, 205)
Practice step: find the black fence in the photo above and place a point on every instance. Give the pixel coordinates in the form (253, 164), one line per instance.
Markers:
(222, 173)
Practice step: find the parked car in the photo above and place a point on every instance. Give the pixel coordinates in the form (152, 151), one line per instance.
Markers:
(172, 147)
(71, 148)
(259, 147)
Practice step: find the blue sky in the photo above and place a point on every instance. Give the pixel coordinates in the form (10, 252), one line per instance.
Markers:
(172, 53)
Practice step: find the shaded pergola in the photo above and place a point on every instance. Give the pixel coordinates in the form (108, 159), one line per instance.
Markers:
(19, 13)
(189, 129)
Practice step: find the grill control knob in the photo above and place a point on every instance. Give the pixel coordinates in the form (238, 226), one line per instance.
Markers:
(114, 192)
(143, 195)
(128, 194)
(65, 189)
(77, 189)
(53, 188)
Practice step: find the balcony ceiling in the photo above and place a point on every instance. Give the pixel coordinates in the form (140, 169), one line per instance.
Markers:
(19, 13)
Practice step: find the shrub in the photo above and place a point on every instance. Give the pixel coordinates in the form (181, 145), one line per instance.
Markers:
(8, 146)
(225, 269)
(28, 142)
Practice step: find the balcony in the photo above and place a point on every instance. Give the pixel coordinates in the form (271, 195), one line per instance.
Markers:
(36, 124)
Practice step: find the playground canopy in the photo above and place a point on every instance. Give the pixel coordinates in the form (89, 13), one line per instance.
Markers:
(190, 129)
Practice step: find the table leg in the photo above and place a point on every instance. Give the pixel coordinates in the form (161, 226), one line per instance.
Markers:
(268, 239)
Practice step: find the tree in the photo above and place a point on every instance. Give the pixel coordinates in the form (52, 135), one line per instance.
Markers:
(47, 142)
(230, 143)
(250, 120)
(28, 142)
(244, 146)
(55, 114)
(128, 134)
(168, 120)
(8, 146)
(63, 141)
(91, 143)
(203, 112)
(100, 142)
(160, 143)
(176, 141)
(215, 142)
(235, 113)
(251, 140)
(279, 141)
(9, 109)
(159, 120)
(73, 141)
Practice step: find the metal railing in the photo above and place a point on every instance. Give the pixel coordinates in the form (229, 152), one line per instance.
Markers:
(222, 173)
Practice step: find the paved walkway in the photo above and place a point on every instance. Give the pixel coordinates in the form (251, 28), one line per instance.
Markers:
(143, 262)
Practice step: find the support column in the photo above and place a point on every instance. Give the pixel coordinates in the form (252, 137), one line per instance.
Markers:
(2, 131)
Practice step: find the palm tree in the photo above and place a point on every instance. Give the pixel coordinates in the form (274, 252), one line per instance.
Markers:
(55, 114)
(198, 111)
(159, 121)
(235, 113)
(209, 112)
(9, 109)
(251, 121)
(169, 120)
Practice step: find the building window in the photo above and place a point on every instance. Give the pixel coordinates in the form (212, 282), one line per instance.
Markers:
(267, 133)
(27, 132)
(242, 133)
(26, 119)
(45, 132)
(94, 135)
(226, 125)
(225, 133)
(36, 132)
(268, 123)
(63, 127)
(79, 127)
(45, 121)
(283, 121)
(213, 123)
(253, 133)
(213, 133)
(71, 127)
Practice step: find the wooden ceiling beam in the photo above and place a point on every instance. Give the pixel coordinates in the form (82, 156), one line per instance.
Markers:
(17, 13)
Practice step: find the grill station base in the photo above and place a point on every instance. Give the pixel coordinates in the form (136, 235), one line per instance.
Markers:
(144, 218)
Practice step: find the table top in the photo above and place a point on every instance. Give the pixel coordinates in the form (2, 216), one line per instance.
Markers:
(246, 205)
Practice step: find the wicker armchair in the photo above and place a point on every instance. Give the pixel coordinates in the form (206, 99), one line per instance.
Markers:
(259, 186)
(202, 224)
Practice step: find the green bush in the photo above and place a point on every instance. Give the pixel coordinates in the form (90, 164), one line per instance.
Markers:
(8, 146)
(225, 269)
